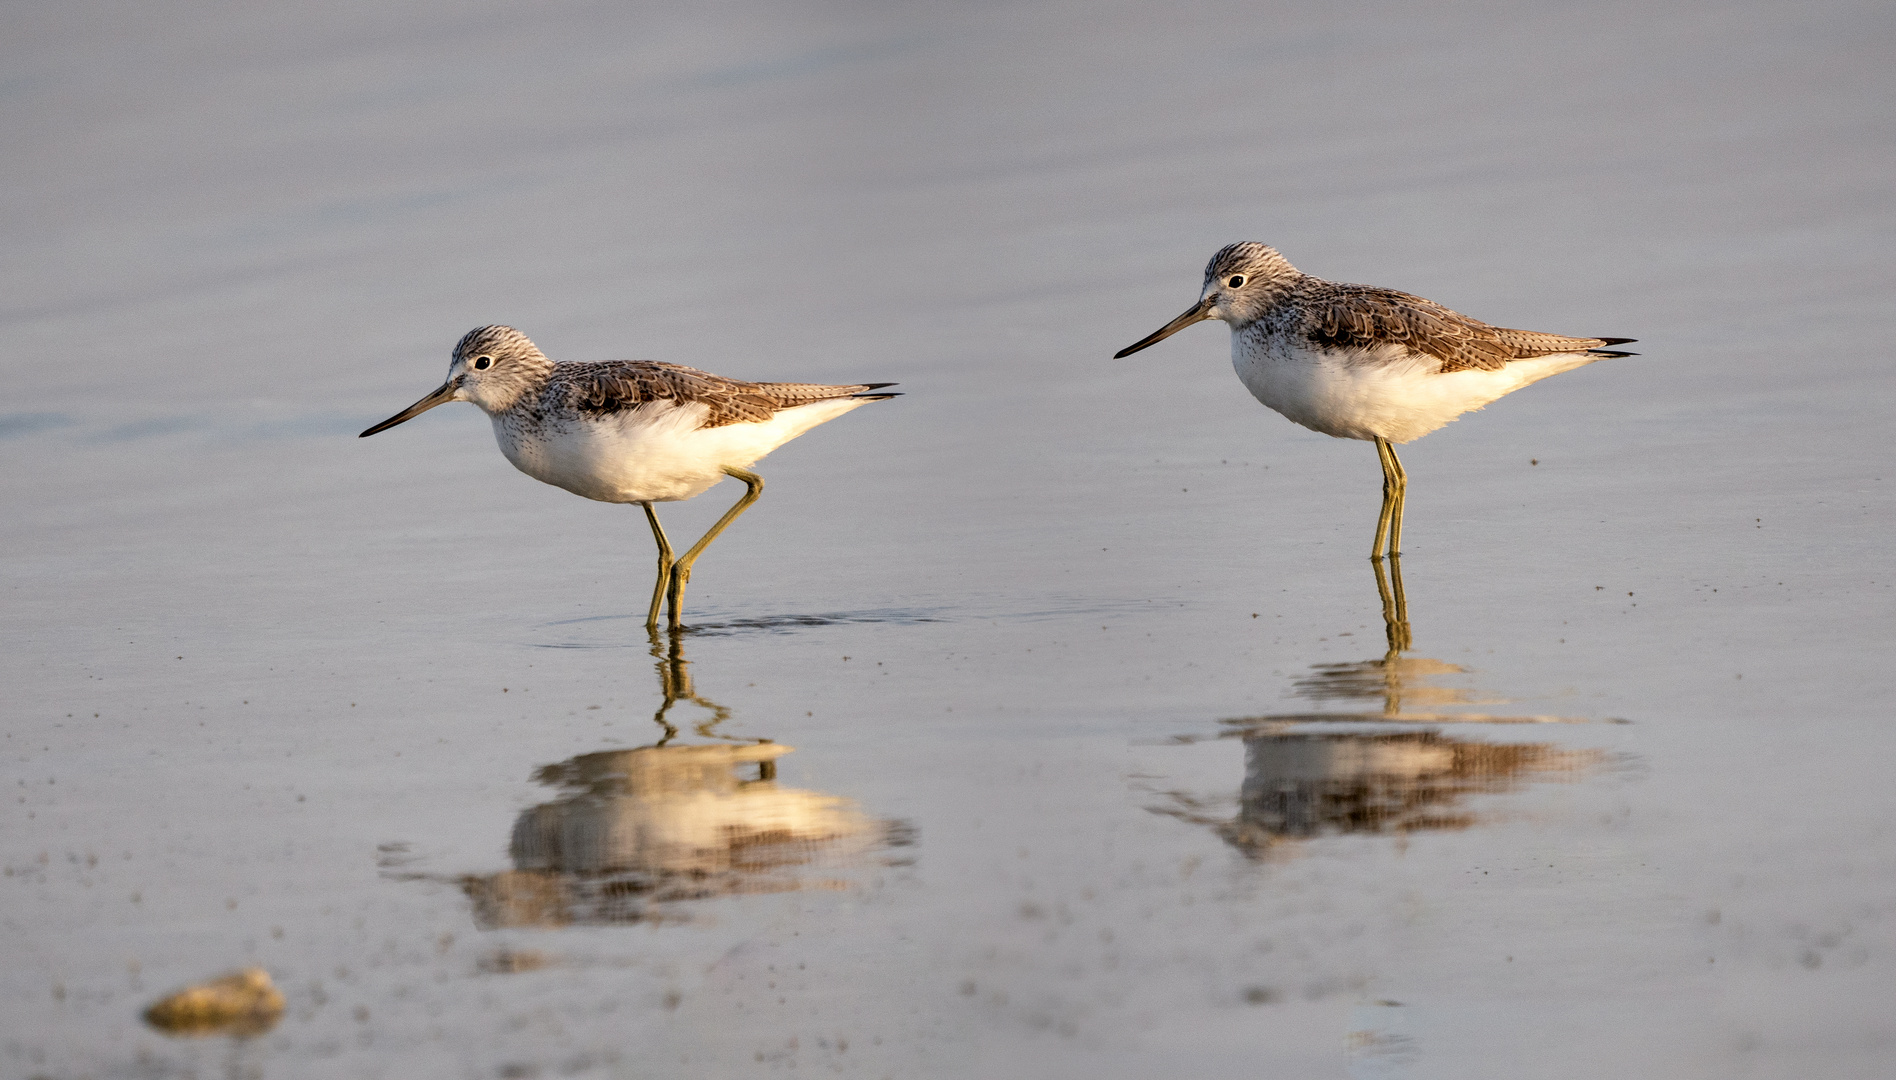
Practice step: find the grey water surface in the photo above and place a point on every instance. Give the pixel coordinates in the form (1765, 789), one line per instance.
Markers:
(1042, 722)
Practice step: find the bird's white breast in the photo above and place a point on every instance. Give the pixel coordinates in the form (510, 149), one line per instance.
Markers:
(656, 452)
(1384, 391)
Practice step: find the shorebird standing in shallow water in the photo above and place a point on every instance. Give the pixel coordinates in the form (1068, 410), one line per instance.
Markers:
(1359, 362)
(631, 431)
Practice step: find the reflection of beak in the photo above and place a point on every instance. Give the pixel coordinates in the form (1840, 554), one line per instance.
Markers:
(440, 397)
(1198, 312)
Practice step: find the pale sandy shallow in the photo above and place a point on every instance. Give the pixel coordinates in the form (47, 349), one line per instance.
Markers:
(279, 697)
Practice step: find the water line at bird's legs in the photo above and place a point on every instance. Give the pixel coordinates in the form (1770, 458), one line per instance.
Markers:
(1395, 605)
(664, 566)
(1396, 626)
(670, 674)
(674, 684)
(681, 570)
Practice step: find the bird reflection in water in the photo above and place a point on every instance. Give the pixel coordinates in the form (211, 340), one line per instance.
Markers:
(1392, 688)
(1301, 783)
(635, 832)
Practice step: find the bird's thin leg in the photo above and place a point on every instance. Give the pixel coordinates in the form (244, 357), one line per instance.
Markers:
(664, 566)
(681, 570)
(1402, 503)
(1384, 454)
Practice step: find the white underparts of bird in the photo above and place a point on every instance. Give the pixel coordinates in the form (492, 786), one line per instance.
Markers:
(629, 431)
(1359, 362)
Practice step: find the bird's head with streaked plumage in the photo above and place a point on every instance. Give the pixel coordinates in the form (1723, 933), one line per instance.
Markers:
(1242, 281)
(492, 367)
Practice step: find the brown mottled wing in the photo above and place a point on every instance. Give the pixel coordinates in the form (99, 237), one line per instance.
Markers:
(613, 386)
(1361, 316)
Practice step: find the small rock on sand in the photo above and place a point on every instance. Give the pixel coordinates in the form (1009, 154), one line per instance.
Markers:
(242, 1003)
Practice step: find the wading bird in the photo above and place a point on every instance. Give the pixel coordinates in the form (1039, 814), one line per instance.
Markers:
(1359, 362)
(632, 431)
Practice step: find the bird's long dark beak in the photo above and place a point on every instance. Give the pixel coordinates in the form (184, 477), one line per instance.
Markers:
(1198, 312)
(441, 396)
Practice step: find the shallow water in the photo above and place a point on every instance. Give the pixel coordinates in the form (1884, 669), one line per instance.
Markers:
(1048, 714)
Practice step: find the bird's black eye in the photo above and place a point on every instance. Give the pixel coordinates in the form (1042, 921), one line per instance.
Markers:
(482, 363)
(1236, 281)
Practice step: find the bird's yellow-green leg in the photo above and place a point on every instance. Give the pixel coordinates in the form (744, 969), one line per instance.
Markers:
(1402, 503)
(664, 566)
(681, 570)
(1383, 454)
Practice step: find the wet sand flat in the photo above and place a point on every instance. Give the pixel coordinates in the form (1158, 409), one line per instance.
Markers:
(1045, 721)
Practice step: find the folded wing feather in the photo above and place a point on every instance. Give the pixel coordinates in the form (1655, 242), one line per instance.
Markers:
(1362, 316)
(613, 386)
